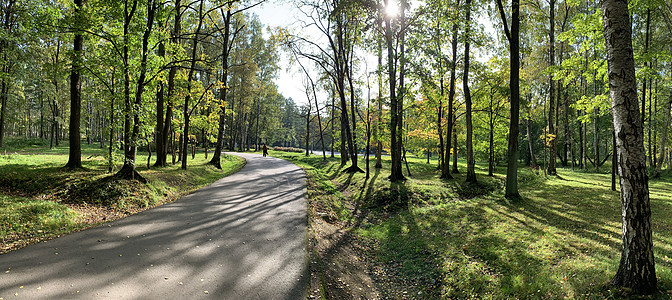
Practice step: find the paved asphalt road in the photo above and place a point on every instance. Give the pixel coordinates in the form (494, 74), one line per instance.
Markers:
(243, 237)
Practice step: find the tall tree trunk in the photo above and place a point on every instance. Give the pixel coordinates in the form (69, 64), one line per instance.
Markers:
(395, 134)
(663, 140)
(455, 170)
(511, 189)
(584, 144)
(533, 158)
(160, 103)
(161, 159)
(637, 267)
(190, 79)
(129, 156)
(226, 49)
(3, 101)
(377, 127)
(353, 112)
(75, 148)
(551, 94)
(128, 170)
(471, 173)
(333, 115)
(445, 172)
(644, 80)
(110, 158)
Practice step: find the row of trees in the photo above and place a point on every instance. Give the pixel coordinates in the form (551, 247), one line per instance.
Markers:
(168, 74)
(160, 75)
(559, 53)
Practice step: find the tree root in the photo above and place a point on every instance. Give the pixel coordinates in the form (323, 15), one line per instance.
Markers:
(353, 169)
(128, 172)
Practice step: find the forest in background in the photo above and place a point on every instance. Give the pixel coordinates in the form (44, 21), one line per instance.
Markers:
(149, 70)
(166, 77)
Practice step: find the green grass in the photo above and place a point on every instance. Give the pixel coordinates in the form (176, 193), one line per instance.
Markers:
(35, 189)
(25, 220)
(447, 239)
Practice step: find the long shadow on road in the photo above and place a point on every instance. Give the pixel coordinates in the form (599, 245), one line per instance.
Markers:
(243, 237)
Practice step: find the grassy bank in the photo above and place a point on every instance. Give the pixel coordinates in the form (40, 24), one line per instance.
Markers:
(437, 238)
(40, 200)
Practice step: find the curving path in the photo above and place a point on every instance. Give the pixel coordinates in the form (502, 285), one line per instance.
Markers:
(242, 237)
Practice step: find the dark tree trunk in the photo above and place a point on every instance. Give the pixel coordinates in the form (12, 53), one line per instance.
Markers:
(160, 103)
(471, 173)
(190, 79)
(3, 99)
(131, 142)
(663, 140)
(644, 80)
(333, 114)
(377, 127)
(551, 97)
(511, 190)
(533, 158)
(395, 133)
(445, 172)
(162, 153)
(637, 267)
(226, 49)
(75, 148)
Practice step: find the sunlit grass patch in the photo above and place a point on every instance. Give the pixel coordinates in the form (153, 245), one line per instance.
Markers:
(25, 220)
(36, 191)
(446, 239)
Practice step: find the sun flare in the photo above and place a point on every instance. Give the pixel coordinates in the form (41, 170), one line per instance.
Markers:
(391, 9)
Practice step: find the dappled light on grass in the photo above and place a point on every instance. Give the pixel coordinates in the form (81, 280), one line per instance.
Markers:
(444, 240)
(35, 178)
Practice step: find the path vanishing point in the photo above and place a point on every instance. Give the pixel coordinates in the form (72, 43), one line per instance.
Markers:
(242, 237)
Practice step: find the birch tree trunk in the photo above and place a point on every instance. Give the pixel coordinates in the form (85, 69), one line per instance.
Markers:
(637, 268)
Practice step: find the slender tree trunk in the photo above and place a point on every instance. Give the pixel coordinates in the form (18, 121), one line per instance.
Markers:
(445, 172)
(3, 109)
(471, 173)
(377, 127)
(128, 170)
(160, 103)
(395, 135)
(161, 159)
(614, 162)
(663, 140)
(455, 148)
(584, 146)
(333, 116)
(226, 49)
(637, 267)
(551, 95)
(596, 140)
(190, 79)
(644, 80)
(533, 158)
(112, 118)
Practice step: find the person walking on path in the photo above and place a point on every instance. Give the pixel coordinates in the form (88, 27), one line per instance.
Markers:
(264, 149)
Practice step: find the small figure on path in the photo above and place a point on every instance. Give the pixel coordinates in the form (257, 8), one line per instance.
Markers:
(264, 149)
